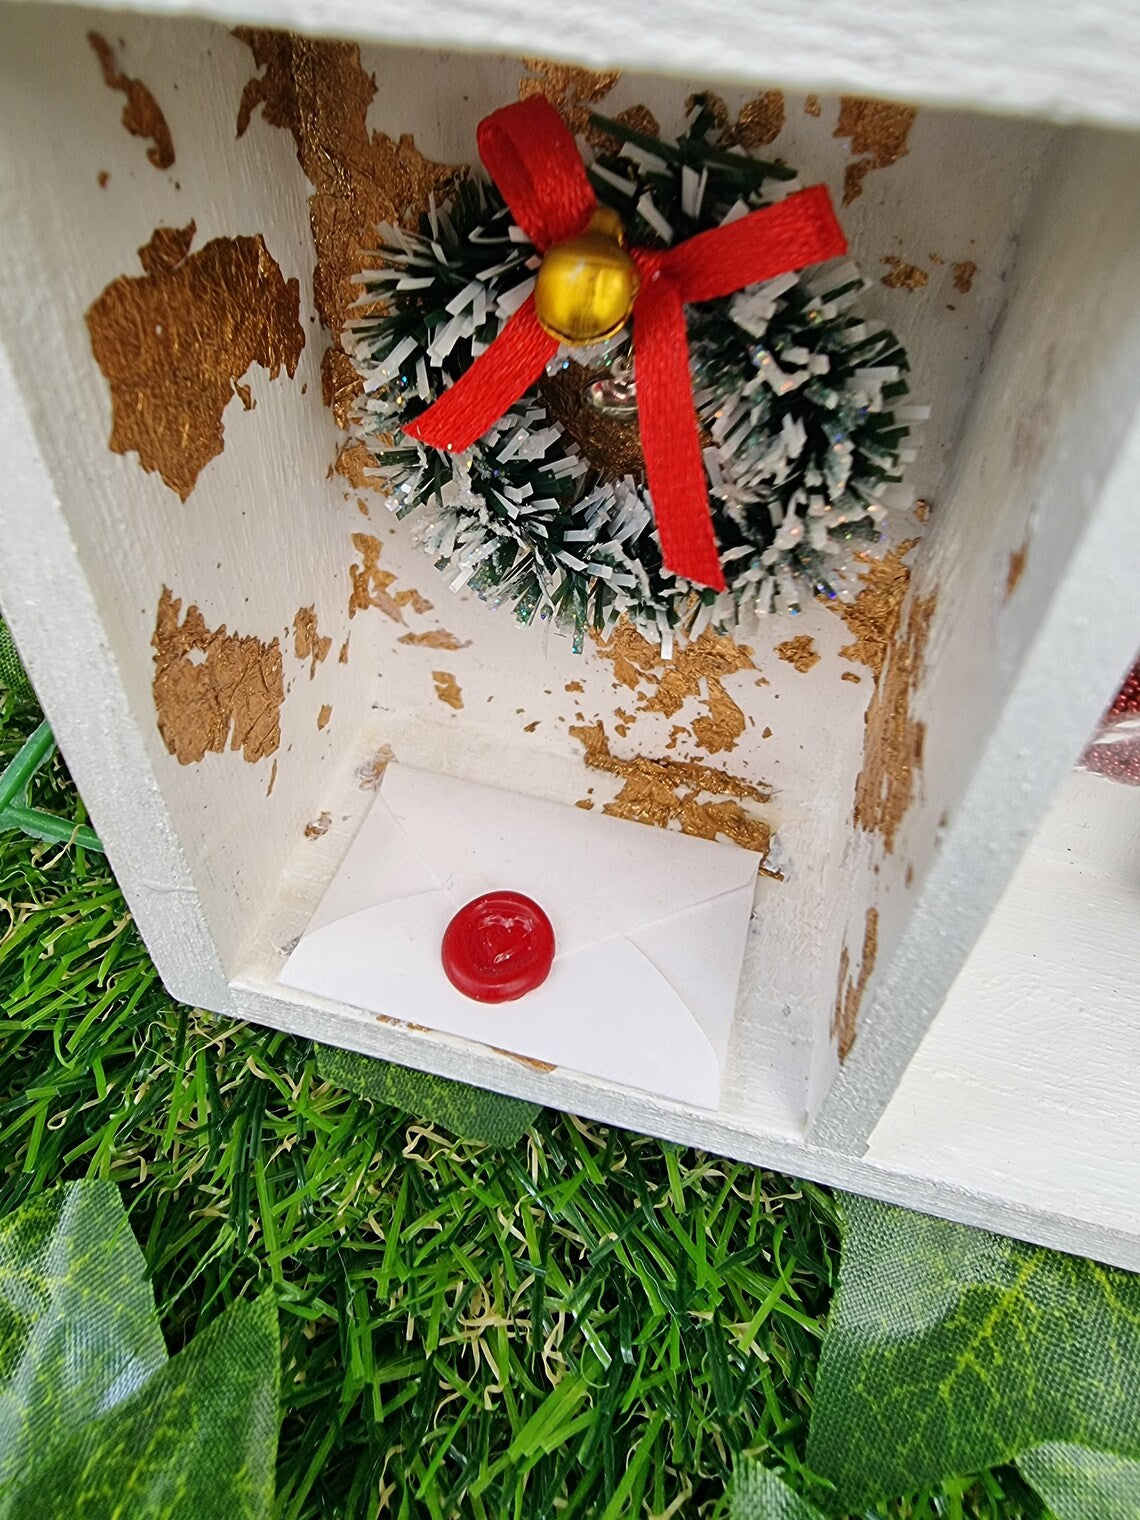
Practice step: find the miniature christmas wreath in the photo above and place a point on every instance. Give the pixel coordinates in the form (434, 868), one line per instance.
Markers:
(508, 406)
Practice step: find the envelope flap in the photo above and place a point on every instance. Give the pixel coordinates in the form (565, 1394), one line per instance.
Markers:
(381, 865)
(599, 876)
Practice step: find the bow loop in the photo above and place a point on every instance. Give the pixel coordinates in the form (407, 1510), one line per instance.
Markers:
(529, 153)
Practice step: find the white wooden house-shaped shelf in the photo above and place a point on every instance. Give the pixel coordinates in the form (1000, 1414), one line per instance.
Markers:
(229, 641)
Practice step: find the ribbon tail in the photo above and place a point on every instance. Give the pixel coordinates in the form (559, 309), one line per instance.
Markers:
(674, 467)
(799, 231)
(492, 385)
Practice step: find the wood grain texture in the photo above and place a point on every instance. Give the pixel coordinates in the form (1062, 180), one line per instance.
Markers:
(1066, 62)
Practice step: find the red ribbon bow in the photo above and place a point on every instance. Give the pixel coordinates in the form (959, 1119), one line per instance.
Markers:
(531, 156)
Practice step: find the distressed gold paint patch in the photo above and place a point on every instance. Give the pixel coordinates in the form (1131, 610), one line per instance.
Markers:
(447, 688)
(371, 773)
(323, 716)
(319, 92)
(435, 638)
(308, 644)
(760, 121)
(371, 586)
(696, 671)
(319, 827)
(574, 91)
(142, 114)
(812, 106)
(353, 463)
(800, 653)
(893, 648)
(663, 792)
(341, 385)
(893, 743)
(903, 276)
(964, 273)
(849, 992)
(231, 693)
(1016, 568)
(173, 342)
(639, 118)
(873, 617)
(878, 130)
(545, 1067)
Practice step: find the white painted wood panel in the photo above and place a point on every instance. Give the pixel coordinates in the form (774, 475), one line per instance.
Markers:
(1027, 1084)
(1064, 62)
(1049, 463)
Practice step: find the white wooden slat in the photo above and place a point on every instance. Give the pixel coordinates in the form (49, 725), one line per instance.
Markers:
(1064, 62)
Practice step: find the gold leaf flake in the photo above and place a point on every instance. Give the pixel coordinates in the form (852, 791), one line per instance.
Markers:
(893, 743)
(370, 584)
(142, 114)
(904, 276)
(341, 385)
(892, 646)
(639, 118)
(533, 1062)
(964, 273)
(812, 106)
(308, 644)
(435, 638)
(874, 615)
(319, 827)
(760, 121)
(849, 993)
(800, 653)
(662, 792)
(696, 669)
(173, 342)
(371, 773)
(878, 130)
(574, 91)
(319, 92)
(1016, 567)
(232, 693)
(353, 462)
(447, 688)
(323, 716)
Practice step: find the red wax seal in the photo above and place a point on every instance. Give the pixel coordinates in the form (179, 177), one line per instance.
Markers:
(498, 947)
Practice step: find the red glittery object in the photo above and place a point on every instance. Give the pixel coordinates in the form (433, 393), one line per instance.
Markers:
(1115, 752)
(498, 947)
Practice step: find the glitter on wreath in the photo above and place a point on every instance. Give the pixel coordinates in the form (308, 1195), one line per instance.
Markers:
(798, 402)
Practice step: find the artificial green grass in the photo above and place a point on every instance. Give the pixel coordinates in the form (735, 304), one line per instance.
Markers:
(588, 1323)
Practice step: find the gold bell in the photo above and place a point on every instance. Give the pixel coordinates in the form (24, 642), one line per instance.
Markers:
(586, 287)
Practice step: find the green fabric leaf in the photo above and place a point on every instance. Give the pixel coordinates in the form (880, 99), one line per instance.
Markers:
(78, 1329)
(951, 1349)
(758, 1494)
(12, 674)
(95, 1421)
(1079, 1484)
(466, 1111)
(200, 1439)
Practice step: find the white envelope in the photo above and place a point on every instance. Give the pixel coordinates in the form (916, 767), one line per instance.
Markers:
(650, 929)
